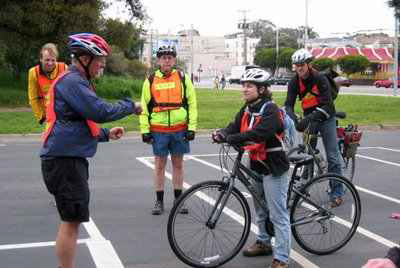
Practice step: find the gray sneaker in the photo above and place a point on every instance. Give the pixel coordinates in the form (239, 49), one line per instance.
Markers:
(158, 208)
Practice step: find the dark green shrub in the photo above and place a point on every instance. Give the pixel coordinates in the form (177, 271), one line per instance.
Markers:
(112, 87)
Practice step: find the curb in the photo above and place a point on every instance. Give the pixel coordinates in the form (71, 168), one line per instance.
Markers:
(200, 133)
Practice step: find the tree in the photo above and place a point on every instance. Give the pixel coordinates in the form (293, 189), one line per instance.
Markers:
(26, 25)
(322, 64)
(288, 37)
(353, 64)
(285, 58)
(266, 58)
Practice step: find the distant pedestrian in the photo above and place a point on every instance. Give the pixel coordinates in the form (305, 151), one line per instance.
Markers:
(223, 82)
(216, 83)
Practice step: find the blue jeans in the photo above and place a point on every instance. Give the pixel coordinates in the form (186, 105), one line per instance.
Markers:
(327, 130)
(275, 190)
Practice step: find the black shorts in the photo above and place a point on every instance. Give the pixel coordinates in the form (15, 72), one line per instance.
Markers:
(66, 179)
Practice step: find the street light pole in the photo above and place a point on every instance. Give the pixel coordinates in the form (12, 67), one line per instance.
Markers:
(192, 49)
(277, 50)
(306, 23)
(245, 27)
(396, 47)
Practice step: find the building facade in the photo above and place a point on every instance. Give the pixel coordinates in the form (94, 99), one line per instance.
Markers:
(204, 56)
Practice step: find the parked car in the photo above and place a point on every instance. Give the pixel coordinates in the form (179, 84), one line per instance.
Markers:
(343, 81)
(385, 83)
(237, 71)
(282, 80)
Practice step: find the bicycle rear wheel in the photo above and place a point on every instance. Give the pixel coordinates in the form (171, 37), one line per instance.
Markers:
(349, 163)
(349, 167)
(193, 241)
(317, 226)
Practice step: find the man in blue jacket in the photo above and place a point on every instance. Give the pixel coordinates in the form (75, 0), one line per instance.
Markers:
(72, 135)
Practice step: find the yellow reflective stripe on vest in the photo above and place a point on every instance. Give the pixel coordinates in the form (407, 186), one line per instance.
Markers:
(166, 85)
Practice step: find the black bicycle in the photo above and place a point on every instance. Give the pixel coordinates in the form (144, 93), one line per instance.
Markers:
(348, 139)
(219, 219)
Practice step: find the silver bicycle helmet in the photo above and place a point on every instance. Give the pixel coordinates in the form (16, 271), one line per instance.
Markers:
(257, 76)
(166, 50)
(302, 56)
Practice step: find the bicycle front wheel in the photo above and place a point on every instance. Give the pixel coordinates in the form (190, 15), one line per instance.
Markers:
(193, 240)
(318, 225)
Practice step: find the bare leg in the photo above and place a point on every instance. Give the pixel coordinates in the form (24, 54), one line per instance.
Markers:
(160, 166)
(66, 243)
(177, 163)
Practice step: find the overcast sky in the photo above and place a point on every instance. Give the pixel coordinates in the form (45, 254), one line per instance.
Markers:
(220, 17)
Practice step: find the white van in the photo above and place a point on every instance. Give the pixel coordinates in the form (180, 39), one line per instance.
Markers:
(237, 71)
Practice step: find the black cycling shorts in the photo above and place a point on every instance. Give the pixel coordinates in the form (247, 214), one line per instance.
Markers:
(66, 179)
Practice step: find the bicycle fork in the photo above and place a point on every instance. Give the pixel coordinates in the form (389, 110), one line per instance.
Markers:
(220, 204)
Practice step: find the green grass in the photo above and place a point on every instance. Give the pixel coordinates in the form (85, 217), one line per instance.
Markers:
(217, 110)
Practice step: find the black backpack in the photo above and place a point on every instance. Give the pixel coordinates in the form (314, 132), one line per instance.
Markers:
(330, 74)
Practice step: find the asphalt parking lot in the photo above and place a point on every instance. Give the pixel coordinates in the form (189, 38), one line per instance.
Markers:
(123, 233)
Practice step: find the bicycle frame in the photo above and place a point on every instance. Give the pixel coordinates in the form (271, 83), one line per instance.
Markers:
(240, 171)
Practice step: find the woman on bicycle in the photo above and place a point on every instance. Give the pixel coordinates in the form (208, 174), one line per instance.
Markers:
(259, 122)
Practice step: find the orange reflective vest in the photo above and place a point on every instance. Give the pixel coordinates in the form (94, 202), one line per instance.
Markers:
(258, 151)
(167, 92)
(51, 115)
(44, 83)
(309, 98)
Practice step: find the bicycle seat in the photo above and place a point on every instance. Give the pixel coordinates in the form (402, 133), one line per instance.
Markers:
(301, 160)
(341, 115)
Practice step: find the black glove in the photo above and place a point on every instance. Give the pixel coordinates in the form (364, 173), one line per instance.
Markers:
(147, 138)
(302, 124)
(190, 135)
(218, 136)
(41, 121)
(317, 116)
(235, 139)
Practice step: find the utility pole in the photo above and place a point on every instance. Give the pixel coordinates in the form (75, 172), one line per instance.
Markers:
(244, 26)
(192, 49)
(396, 47)
(306, 23)
(277, 50)
(151, 48)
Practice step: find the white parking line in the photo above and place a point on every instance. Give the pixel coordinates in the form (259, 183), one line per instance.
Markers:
(378, 160)
(381, 148)
(101, 249)
(301, 260)
(3, 145)
(34, 244)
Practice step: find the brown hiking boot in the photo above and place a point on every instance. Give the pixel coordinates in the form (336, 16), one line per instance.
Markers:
(278, 264)
(258, 249)
(336, 202)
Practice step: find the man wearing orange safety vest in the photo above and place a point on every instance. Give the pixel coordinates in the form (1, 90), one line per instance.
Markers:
(315, 94)
(41, 77)
(168, 121)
